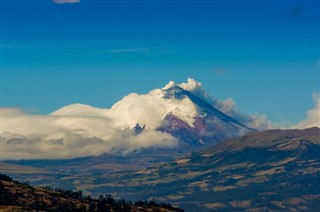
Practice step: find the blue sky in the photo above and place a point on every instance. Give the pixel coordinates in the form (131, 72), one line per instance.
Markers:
(265, 55)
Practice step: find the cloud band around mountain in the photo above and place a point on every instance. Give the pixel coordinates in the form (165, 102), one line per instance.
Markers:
(81, 130)
(26, 136)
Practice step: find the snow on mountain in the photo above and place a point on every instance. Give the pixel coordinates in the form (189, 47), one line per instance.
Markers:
(177, 109)
(80, 110)
(150, 109)
(160, 118)
(147, 109)
(209, 125)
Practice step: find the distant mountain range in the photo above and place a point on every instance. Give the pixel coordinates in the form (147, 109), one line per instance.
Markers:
(274, 170)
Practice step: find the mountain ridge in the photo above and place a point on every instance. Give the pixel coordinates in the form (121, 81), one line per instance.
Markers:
(176, 116)
(210, 125)
(274, 170)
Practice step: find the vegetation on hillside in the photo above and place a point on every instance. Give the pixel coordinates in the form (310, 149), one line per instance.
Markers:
(18, 196)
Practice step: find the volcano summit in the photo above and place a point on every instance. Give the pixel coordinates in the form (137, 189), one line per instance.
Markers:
(177, 115)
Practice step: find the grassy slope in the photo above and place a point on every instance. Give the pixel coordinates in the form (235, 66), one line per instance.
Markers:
(279, 170)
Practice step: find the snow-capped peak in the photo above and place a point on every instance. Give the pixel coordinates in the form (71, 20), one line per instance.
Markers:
(151, 109)
(185, 101)
(191, 85)
(147, 109)
(160, 118)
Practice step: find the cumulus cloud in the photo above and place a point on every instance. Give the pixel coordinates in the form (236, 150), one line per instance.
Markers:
(228, 106)
(81, 130)
(196, 88)
(150, 109)
(69, 134)
(193, 87)
(146, 110)
(66, 1)
(312, 116)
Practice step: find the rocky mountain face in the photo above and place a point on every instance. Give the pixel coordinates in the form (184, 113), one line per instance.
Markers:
(275, 170)
(209, 125)
(171, 109)
(128, 132)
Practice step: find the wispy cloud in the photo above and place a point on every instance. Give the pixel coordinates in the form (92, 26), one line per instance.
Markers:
(313, 115)
(166, 52)
(130, 50)
(66, 1)
(3, 46)
(220, 72)
(229, 107)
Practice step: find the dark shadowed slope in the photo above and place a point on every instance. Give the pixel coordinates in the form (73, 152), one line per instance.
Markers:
(16, 196)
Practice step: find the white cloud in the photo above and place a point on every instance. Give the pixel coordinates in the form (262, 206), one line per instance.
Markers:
(228, 106)
(66, 1)
(143, 109)
(196, 88)
(261, 121)
(81, 130)
(133, 50)
(256, 121)
(4, 46)
(150, 109)
(69, 134)
(312, 116)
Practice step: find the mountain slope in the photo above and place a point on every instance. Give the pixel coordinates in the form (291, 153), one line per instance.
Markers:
(172, 109)
(209, 125)
(179, 112)
(175, 117)
(16, 196)
(270, 170)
